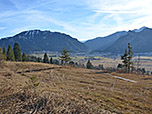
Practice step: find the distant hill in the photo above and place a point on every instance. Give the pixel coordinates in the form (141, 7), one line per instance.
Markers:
(37, 40)
(101, 43)
(141, 41)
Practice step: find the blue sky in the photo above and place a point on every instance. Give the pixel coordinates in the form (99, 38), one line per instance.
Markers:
(82, 19)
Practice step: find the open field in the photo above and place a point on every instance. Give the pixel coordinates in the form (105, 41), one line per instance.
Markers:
(71, 90)
(144, 62)
(106, 62)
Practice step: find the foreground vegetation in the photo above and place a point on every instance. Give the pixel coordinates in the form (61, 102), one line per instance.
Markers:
(59, 89)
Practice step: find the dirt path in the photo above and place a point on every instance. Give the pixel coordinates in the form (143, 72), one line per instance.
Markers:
(125, 79)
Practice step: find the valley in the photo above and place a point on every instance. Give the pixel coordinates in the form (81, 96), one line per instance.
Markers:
(107, 60)
(75, 57)
(44, 82)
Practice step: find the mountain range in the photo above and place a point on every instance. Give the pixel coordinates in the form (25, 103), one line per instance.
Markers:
(101, 43)
(140, 40)
(37, 40)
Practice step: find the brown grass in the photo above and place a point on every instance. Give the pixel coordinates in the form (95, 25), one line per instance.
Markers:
(71, 90)
(145, 62)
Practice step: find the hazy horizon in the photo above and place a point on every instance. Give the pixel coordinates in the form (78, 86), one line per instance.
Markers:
(82, 19)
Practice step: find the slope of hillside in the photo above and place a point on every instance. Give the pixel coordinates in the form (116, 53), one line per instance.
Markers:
(140, 41)
(102, 43)
(71, 90)
(36, 40)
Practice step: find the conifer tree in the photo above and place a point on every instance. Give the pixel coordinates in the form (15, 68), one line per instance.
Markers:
(39, 59)
(127, 58)
(124, 59)
(10, 54)
(89, 65)
(65, 57)
(1, 56)
(45, 59)
(120, 66)
(130, 56)
(24, 57)
(62, 62)
(51, 60)
(4, 53)
(17, 52)
(101, 67)
(71, 63)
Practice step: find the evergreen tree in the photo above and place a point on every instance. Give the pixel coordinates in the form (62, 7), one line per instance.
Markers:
(45, 59)
(10, 54)
(24, 58)
(1, 56)
(51, 60)
(39, 59)
(124, 59)
(101, 67)
(17, 52)
(120, 66)
(4, 53)
(130, 56)
(76, 64)
(127, 59)
(65, 56)
(71, 63)
(89, 65)
(61, 62)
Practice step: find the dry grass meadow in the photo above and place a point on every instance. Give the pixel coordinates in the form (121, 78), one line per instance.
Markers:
(71, 90)
(144, 62)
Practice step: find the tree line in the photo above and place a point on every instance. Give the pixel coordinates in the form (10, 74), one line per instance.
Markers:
(12, 54)
(15, 54)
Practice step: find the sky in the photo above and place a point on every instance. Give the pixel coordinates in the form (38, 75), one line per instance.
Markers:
(82, 19)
